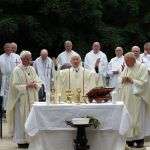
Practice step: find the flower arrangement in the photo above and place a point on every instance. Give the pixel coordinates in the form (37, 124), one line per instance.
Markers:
(94, 122)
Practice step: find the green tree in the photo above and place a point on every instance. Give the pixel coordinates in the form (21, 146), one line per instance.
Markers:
(36, 24)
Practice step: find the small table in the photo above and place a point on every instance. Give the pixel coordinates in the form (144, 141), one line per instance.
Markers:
(81, 139)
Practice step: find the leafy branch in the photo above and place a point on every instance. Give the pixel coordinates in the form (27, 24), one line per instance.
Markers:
(94, 122)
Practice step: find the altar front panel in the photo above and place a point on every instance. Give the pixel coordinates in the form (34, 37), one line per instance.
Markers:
(63, 140)
(48, 131)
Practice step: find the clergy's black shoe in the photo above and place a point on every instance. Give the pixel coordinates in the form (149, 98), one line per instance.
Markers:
(129, 143)
(140, 143)
(136, 143)
(25, 145)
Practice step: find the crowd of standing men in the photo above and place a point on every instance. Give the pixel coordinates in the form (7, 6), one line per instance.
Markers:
(21, 81)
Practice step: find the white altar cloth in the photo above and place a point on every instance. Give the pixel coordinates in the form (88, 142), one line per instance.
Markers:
(48, 131)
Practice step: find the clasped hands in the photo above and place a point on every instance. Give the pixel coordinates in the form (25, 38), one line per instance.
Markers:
(31, 85)
(127, 80)
(116, 72)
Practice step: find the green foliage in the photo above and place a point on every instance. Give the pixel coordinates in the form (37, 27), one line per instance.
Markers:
(94, 122)
(36, 24)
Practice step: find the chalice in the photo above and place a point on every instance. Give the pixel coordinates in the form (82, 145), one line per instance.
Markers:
(69, 95)
(78, 94)
(53, 95)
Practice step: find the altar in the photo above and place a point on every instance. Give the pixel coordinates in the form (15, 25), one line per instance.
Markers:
(48, 131)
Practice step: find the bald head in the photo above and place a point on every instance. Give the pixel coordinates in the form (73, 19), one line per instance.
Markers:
(13, 47)
(136, 50)
(68, 46)
(119, 51)
(44, 54)
(147, 47)
(96, 47)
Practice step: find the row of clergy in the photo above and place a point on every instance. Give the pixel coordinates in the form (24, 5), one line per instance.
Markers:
(95, 60)
(133, 89)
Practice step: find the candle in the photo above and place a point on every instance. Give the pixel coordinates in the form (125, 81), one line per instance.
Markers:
(83, 81)
(69, 78)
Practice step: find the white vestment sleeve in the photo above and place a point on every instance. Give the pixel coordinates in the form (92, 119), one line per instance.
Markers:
(103, 66)
(109, 70)
(35, 65)
(86, 63)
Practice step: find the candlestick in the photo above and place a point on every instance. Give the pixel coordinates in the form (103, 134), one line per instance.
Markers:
(83, 81)
(69, 78)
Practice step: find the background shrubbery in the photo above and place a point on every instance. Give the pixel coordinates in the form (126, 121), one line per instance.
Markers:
(36, 24)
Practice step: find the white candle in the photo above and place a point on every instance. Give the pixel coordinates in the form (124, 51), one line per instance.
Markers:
(69, 78)
(83, 81)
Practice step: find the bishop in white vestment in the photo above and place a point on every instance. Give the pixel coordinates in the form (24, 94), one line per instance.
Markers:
(115, 67)
(65, 57)
(96, 60)
(76, 79)
(8, 61)
(23, 93)
(44, 67)
(132, 88)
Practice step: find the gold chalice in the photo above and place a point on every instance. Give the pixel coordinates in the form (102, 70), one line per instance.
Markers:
(69, 95)
(52, 95)
(78, 94)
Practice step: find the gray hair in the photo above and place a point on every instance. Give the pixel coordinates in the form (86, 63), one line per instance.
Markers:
(68, 42)
(44, 51)
(6, 45)
(136, 47)
(76, 55)
(130, 55)
(24, 53)
(14, 44)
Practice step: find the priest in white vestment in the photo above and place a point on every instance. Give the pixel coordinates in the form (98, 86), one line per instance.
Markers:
(115, 67)
(146, 61)
(8, 61)
(136, 50)
(65, 57)
(13, 47)
(77, 80)
(132, 88)
(44, 67)
(146, 55)
(96, 60)
(23, 93)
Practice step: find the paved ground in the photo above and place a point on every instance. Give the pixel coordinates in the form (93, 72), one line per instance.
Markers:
(7, 144)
